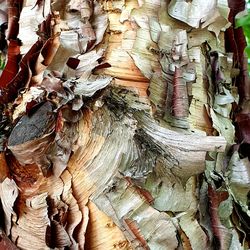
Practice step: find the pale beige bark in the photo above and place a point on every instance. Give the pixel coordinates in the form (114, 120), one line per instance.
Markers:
(113, 194)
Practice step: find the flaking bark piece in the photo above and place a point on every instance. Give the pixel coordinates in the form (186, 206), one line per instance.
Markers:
(4, 169)
(11, 68)
(180, 97)
(8, 194)
(222, 236)
(14, 10)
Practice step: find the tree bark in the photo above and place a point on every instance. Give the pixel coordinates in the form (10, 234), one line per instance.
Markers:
(124, 125)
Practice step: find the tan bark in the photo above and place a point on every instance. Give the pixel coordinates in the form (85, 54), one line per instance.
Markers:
(121, 160)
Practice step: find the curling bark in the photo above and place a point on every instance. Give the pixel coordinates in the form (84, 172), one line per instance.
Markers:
(118, 125)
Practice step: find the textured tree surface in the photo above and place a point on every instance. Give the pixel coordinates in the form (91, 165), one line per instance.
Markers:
(124, 125)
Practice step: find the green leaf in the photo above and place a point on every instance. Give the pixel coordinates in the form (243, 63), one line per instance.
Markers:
(247, 49)
(243, 21)
(2, 62)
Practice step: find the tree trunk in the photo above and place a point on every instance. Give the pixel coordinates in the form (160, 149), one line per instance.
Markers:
(125, 125)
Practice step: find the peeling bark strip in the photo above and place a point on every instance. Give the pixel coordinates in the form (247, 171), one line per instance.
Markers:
(116, 129)
(236, 43)
(11, 67)
(180, 98)
(14, 10)
(222, 236)
(33, 63)
(4, 170)
(133, 227)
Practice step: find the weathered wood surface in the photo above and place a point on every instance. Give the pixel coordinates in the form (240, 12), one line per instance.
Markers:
(121, 135)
